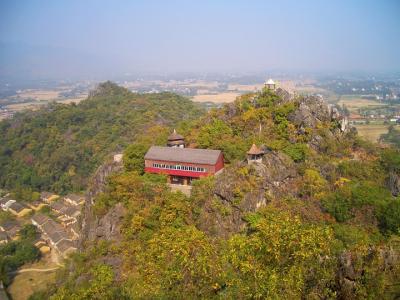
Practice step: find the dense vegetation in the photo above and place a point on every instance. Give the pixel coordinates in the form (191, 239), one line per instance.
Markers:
(58, 147)
(16, 253)
(392, 137)
(333, 232)
(328, 230)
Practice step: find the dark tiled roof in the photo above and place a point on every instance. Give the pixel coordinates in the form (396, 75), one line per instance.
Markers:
(13, 231)
(71, 212)
(58, 205)
(185, 155)
(175, 136)
(40, 219)
(52, 229)
(57, 236)
(8, 225)
(17, 207)
(65, 208)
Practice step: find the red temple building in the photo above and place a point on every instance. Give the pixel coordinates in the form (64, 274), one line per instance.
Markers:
(182, 165)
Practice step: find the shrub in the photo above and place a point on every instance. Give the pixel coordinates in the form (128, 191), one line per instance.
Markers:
(297, 152)
(389, 218)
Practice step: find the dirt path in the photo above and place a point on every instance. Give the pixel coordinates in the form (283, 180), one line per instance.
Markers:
(36, 270)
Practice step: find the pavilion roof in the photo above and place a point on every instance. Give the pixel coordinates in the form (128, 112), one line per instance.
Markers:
(175, 136)
(254, 150)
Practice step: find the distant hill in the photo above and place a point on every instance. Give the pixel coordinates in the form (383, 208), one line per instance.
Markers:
(58, 147)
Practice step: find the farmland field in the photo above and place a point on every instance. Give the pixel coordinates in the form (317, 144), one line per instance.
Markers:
(354, 102)
(372, 132)
(216, 98)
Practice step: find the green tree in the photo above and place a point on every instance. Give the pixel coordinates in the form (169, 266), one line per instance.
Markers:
(280, 256)
(133, 157)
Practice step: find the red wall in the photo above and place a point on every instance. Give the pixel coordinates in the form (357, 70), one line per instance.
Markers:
(220, 163)
(210, 169)
(176, 172)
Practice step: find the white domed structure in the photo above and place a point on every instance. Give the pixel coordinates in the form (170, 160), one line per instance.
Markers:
(270, 84)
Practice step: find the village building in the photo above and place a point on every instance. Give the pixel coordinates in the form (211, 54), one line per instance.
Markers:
(12, 229)
(19, 210)
(183, 165)
(48, 197)
(7, 225)
(3, 238)
(39, 220)
(57, 206)
(6, 202)
(3, 202)
(68, 213)
(255, 154)
(55, 234)
(75, 199)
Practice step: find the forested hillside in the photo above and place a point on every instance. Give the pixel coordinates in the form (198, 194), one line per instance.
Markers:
(58, 147)
(319, 218)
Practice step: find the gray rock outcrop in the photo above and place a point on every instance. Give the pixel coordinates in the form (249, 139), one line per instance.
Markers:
(107, 226)
(311, 111)
(394, 183)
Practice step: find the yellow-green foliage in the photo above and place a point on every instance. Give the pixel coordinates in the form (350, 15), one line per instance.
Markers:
(313, 182)
(175, 262)
(277, 257)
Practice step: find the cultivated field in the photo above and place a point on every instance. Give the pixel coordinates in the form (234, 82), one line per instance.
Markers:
(245, 87)
(38, 94)
(216, 98)
(372, 132)
(354, 102)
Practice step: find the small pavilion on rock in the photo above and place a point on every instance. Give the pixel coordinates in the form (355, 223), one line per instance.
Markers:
(255, 154)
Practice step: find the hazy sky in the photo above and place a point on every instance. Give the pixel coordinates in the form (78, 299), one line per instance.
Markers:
(173, 36)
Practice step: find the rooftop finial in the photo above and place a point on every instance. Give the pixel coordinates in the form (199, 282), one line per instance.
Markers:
(176, 140)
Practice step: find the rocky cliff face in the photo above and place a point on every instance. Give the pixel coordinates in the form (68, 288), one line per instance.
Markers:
(244, 188)
(394, 183)
(275, 177)
(354, 268)
(107, 226)
(311, 111)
